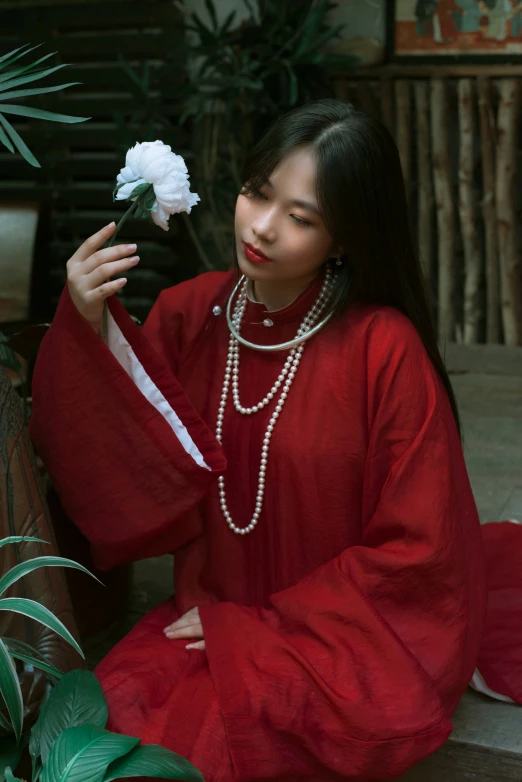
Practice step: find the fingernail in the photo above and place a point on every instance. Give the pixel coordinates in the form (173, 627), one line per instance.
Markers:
(135, 259)
(190, 646)
(130, 248)
(111, 224)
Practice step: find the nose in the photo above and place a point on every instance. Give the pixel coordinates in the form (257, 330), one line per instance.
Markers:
(263, 226)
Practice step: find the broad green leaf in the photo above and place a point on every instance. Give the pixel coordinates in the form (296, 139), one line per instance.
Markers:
(19, 143)
(37, 91)
(82, 754)
(76, 700)
(19, 539)
(11, 690)
(27, 111)
(9, 76)
(24, 568)
(151, 760)
(34, 610)
(10, 754)
(9, 776)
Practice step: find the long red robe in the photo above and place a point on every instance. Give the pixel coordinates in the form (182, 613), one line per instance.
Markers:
(343, 631)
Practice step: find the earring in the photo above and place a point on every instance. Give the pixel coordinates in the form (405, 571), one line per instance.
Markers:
(339, 261)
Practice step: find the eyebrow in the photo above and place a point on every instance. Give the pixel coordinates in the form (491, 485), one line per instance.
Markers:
(299, 201)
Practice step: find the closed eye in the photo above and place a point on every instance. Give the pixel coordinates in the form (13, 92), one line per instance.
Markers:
(298, 220)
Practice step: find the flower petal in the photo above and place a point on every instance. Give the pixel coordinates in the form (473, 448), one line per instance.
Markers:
(126, 175)
(160, 217)
(127, 190)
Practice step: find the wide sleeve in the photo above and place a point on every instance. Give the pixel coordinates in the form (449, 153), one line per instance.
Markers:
(354, 671)
(129, 456)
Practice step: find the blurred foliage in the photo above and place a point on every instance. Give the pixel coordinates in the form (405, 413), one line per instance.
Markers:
(238, 79)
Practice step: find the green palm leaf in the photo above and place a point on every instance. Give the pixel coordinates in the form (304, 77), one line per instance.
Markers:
(27, 111)
(8, 58)
(19, 539)
(14, 78)
(16, 72)
(10, 79)
(33, 610)
(5, 140)
(24, 568)
(151, 760)
(11, 690)
(19, 143)
(82, 754)
(37, 91)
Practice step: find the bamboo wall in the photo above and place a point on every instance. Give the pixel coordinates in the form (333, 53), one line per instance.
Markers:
(458, 134)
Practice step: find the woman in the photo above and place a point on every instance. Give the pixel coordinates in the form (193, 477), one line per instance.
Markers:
(329, 592)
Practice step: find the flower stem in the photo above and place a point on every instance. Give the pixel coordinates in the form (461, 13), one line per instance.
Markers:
(125, 217)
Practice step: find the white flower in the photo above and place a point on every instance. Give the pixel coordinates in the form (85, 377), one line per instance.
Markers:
(153, 163)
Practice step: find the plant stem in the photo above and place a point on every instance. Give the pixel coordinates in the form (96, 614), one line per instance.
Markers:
(197, 244)
(125, 217)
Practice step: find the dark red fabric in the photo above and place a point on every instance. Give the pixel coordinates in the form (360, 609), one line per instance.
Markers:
(500, 660)
(342, 632)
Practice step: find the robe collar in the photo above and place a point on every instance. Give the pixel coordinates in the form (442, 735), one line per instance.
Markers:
(256, 312)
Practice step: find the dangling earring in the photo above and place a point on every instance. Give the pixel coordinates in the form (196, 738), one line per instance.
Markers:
(339, 261)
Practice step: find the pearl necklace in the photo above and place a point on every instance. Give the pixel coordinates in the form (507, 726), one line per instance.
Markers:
(284, 379)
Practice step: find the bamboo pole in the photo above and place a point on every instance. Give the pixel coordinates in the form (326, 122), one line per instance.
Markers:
(488, 206)
(403, 107)
(510, 262)
(424, 181)
(468, 215)
(445, 207)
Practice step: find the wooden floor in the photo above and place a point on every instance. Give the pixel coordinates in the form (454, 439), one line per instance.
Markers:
(486, 744)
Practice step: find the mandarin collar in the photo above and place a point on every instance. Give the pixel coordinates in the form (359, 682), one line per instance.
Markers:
(256, 312)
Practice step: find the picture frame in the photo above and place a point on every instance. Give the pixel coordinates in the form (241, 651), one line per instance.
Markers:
(454, 31)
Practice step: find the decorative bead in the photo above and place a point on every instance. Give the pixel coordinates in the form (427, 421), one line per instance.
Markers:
(268, 322)
(217, 310)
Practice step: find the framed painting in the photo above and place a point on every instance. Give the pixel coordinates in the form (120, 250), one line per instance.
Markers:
(472, 31)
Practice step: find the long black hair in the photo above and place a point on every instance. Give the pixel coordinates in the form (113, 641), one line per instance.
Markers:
(362, 199)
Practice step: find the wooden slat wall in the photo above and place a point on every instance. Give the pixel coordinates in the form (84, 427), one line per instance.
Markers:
(80, 162)
(458, 133)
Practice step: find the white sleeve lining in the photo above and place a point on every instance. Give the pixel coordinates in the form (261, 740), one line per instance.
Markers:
(125, 355)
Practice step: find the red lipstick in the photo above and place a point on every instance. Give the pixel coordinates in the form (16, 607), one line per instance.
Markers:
(256, 256)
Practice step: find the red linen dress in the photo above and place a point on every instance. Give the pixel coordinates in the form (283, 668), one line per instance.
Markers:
(342, 632)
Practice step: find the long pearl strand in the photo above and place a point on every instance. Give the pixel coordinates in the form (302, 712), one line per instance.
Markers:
(284, 379)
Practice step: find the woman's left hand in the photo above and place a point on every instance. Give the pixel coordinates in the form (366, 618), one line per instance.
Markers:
(188, 626)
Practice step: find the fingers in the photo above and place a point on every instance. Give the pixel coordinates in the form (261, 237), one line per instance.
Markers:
(107, 270)
(105, 256)
(198, 645)
(107, 289)
(187, 626)
(190, 631)
(94, 242)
